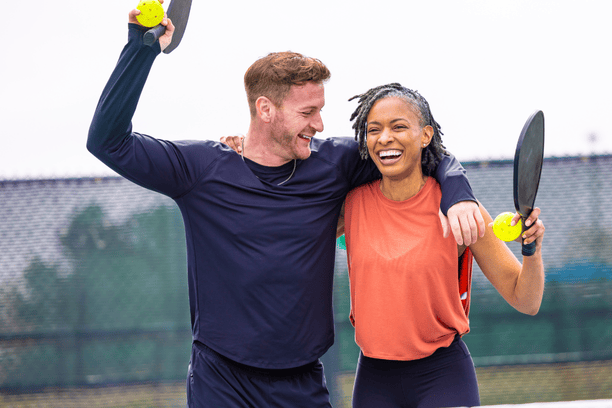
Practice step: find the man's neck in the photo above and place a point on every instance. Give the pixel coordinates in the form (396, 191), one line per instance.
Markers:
(259, 147)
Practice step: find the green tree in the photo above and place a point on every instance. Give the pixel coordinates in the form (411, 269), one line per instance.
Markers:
(121, 314)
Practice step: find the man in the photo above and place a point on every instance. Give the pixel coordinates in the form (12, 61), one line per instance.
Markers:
(260, 226)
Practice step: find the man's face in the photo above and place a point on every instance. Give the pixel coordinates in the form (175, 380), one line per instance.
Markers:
(298, 120)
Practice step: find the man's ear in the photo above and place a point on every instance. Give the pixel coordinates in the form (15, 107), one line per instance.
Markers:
(265, 109)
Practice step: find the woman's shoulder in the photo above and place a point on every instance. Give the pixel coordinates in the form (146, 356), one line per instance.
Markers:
(363, 193)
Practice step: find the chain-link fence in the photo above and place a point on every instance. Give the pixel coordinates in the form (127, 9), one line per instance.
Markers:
(94, 309)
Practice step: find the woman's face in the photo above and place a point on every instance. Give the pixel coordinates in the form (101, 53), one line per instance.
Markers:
(395, 138)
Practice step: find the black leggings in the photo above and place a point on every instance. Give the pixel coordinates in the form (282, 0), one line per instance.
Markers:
(447, 378)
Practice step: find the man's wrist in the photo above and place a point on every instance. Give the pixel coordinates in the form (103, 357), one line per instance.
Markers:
(456, 189)
(136, 33)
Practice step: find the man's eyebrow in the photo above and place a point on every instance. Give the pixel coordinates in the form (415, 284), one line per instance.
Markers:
(311, 107)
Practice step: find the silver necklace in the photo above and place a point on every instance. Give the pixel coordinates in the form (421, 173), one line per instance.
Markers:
(282, 182)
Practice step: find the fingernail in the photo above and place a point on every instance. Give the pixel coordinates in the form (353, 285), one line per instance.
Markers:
(527, 223)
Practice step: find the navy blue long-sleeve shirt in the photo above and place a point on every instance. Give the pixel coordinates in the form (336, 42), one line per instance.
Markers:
(260, 256)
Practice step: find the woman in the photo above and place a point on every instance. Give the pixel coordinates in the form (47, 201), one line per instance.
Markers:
(408, 307)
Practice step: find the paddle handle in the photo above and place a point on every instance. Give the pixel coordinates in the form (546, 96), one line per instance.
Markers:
(528, 249)
(151, 36)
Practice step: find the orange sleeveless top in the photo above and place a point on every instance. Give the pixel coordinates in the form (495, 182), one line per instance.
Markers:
(406, 299)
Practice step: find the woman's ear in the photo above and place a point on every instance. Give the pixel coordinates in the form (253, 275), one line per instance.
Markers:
(427, 135)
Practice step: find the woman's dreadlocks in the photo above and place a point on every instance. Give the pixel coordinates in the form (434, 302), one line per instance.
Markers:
(432, 154)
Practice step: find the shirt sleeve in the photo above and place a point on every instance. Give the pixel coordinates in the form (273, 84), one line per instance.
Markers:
(454, 183)
(155, 164)
(356, 170)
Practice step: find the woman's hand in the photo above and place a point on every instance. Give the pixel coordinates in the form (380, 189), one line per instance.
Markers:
(535, 228)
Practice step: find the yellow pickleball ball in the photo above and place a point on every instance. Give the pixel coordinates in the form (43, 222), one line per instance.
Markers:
(151, 13)
(503, 230)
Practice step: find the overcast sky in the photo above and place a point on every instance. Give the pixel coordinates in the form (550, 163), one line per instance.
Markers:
(484, 67)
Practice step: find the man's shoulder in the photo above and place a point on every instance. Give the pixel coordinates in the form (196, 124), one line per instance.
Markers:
(200, 156)
(209, 147)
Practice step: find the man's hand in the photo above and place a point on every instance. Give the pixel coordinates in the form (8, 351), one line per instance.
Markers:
(465, 221)
(165, 39)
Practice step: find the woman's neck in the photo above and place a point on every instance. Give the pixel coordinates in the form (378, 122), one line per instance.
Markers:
(401, 190)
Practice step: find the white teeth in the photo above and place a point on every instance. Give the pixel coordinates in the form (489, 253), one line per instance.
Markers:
(389, 153)
(306, 137)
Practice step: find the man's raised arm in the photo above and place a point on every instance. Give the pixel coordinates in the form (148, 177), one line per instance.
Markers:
(154, 164)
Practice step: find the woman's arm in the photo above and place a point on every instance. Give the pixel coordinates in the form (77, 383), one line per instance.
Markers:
(521, 285)
(340, 227)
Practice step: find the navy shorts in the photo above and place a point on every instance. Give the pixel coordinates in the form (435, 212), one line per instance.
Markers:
(447, 378)
(216, 381)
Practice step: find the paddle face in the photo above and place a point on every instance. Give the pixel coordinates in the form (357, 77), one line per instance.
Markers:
(179, 14)
(528, 161)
